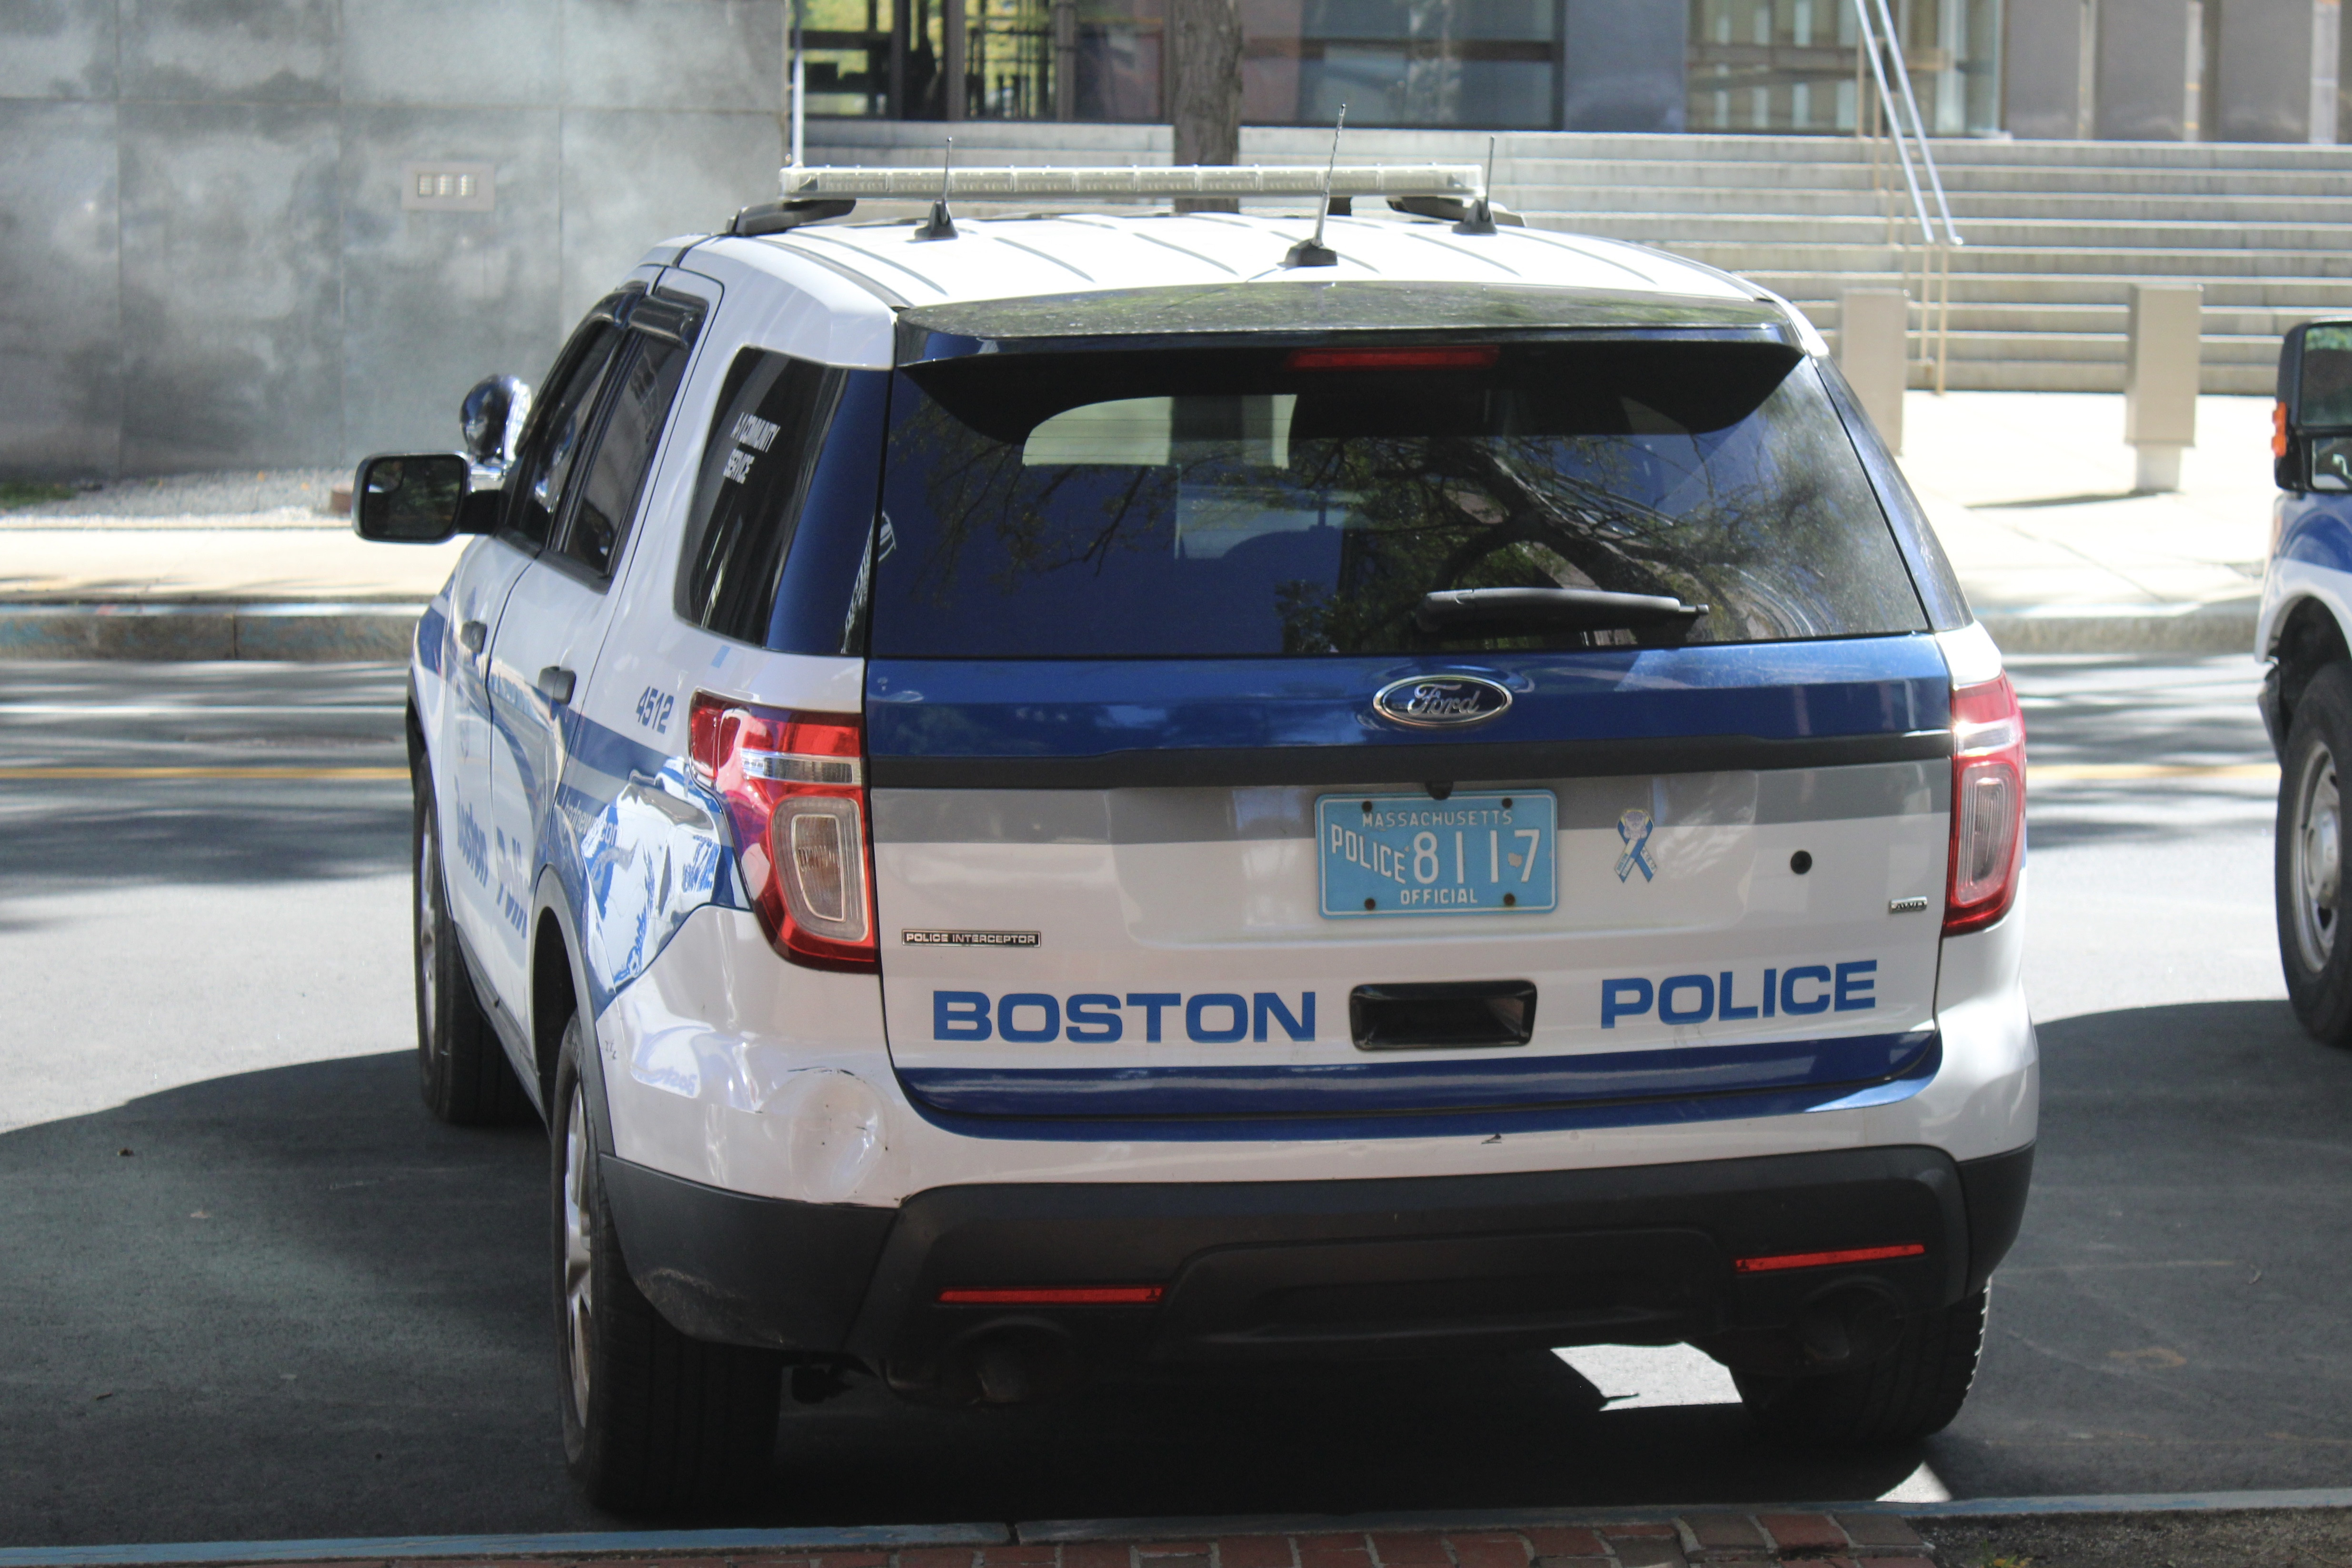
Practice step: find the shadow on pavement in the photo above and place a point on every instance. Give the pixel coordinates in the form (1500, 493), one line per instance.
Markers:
(2172, 1318)
(300, 1308)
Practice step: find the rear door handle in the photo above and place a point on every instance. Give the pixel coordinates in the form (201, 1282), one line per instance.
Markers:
(474, 634)
(556, 684)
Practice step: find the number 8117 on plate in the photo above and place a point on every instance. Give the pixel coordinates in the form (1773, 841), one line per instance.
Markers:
(1410, 855)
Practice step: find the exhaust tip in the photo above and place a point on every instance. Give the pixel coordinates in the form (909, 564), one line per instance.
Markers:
(1012, 1361)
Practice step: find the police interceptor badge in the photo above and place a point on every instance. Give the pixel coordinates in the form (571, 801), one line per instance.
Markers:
(1432, 701)
(968, 938)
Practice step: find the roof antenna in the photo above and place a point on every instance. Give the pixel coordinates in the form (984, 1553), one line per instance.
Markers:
(1480, 218)
(1314, 252)
(941, 224)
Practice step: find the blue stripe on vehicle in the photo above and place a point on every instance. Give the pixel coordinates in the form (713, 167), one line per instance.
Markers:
(432, 627)
(1917, 1057)
(1454, 1083)
(1052, 708)
(2315, 530)
(607, 750)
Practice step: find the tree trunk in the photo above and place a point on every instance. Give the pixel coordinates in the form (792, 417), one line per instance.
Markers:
(1205, 88)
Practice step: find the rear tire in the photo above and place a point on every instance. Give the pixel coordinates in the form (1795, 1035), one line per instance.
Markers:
(461, 1069)
(1914, 1390)
(653, 1421)
(2315, 950)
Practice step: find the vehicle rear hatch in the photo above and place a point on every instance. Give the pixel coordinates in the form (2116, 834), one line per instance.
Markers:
(1200, 809)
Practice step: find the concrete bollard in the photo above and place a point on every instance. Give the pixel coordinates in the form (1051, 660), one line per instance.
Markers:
(1874, 349)
(2160, 370)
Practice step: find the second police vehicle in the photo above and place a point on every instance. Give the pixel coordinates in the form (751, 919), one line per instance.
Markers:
(1035, 795)
(2307, 695)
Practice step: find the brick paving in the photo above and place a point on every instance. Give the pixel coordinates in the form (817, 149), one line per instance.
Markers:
(1719, 1539)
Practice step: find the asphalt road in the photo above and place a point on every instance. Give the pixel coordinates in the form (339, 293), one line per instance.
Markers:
(249, 1290)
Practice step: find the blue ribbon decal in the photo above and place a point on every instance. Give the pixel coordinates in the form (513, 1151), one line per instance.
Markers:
(1634, 827)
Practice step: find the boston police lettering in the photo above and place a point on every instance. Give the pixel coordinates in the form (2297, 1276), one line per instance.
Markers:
(1032, 1018)
(1802, 989)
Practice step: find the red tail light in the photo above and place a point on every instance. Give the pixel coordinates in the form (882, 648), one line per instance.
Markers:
(1988, 806)
(1779, 1262)
(795, 785)
(1056, 1296)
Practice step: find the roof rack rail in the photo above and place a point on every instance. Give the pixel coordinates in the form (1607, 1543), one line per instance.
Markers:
(1462, 182)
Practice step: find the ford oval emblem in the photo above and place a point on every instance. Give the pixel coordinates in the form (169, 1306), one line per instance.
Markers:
(1440, 701)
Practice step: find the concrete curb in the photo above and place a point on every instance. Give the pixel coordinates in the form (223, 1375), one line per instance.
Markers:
(305, 633)
(2225, 628)
(632, 1542)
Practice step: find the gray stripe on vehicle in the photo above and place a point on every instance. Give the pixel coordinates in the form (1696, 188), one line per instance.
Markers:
(1230, 816)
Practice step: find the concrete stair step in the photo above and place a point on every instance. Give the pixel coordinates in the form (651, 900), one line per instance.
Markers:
(1053, 142)
(2144, 265)
(2028, 233)
(1523, 175)
(2259, 327)
(2066, 375)
(1972, 212)
(2291, 295)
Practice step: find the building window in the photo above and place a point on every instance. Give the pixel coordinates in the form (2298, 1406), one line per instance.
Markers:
(1477, 63)
(1791, 64)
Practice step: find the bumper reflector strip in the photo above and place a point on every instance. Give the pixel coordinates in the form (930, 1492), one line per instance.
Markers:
(1070, 1296)
(1823, 1259)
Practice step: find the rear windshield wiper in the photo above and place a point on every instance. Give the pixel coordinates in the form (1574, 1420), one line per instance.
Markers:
(1526, 610)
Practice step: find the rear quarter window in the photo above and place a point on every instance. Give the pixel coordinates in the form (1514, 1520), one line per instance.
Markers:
(783, 508)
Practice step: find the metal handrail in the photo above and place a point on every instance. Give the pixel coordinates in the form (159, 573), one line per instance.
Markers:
(1919, 127)
(1878, 44)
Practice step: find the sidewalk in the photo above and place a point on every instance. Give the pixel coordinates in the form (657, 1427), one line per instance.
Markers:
(2029, 492)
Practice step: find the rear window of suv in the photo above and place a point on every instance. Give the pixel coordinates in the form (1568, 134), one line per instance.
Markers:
(1232, 502)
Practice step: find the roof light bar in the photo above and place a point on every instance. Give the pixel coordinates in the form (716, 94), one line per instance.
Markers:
(1463, 181)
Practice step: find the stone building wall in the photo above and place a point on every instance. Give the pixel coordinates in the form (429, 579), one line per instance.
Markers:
(204, 259)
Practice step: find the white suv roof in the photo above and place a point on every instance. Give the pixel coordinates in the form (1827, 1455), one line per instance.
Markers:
(885, 268)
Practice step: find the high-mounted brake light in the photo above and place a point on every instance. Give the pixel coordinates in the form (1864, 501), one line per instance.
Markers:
(1779, 1262)
(1055, 1296)
(794, 785)
(1988, 806)
(1463, 356)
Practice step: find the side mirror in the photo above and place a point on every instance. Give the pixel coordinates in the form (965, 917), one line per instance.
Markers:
(415, 500)
(491, 419)
(2311, 434)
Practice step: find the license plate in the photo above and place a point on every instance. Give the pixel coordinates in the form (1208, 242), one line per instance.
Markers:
(1409, 855)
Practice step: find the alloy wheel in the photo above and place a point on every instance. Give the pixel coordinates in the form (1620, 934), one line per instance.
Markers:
(428, 925)
(578, 1253)
(2318, 859)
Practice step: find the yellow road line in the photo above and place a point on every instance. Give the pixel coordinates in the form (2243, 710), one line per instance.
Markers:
(263, 771)
(2061, 773)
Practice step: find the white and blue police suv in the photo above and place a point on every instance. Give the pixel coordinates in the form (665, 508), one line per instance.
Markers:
(2306, 696)
(1032, 796)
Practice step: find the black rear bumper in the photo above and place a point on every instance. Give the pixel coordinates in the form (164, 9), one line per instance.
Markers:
(1309, 1269)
